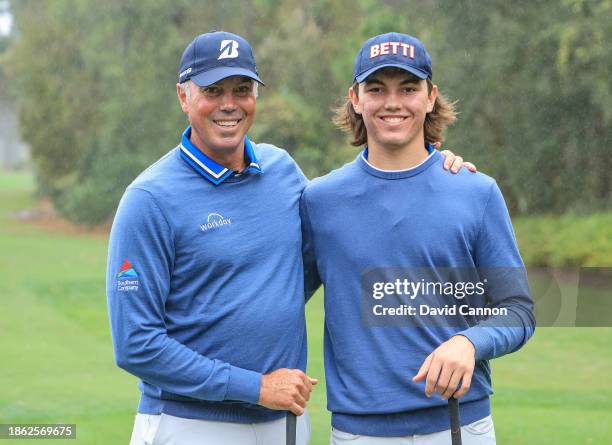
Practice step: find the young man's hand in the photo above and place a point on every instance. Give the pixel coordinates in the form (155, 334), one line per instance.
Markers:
(286, 389)
(449, 365)
(454, 162)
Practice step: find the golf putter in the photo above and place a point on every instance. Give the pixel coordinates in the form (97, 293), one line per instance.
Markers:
(455, 422)
(291, 428)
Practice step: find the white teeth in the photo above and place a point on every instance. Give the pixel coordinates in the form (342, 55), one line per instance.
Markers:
(393, 119)
(227, 123)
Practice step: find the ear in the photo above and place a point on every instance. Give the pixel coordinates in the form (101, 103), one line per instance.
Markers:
(182, 97)
(431, 100)
(354, 97)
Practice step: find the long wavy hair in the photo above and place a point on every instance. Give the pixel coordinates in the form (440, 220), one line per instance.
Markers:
(442, 115)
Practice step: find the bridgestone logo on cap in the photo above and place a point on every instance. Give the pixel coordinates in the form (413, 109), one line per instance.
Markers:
(229, 49)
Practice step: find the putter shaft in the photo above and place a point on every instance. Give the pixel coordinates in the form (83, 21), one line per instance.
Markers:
(291, 428)
(455, 421)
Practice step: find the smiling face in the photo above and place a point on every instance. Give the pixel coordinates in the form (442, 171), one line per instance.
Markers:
(220, 115)
(393, 104)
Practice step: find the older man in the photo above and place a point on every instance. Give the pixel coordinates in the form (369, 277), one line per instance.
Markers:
(205, 277)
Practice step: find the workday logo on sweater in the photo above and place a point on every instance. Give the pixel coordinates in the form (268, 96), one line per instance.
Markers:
(128, 278)
(215, 221)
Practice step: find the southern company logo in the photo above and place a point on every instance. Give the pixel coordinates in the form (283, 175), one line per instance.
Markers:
(214, 221)
(128, 278)
(127, 271)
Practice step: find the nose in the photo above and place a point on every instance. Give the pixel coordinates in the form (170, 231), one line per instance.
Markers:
(392, 101)
(228, 103)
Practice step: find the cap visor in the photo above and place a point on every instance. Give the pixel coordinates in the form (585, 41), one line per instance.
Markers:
(209, 77)
(417, 72)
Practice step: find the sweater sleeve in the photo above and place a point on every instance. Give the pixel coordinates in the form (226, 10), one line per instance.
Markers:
(498, 260)
(312, 280)
(139, 270)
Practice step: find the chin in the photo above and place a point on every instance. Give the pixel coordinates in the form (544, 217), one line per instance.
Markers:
(394, 144)
(228, 142)
(227, 146)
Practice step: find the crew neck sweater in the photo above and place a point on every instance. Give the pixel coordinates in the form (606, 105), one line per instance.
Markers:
(359, 217)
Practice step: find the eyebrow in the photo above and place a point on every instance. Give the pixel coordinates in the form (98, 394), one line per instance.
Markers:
(242, 82)
(375, 81)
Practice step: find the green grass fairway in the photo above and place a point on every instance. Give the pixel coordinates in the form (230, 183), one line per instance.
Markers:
(57, 362)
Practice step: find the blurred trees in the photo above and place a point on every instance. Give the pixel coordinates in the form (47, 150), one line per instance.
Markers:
(95, 85)
(533, 79)
(97, 101)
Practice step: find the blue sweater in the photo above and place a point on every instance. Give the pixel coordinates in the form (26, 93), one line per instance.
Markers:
(212, 294)
(357, 218)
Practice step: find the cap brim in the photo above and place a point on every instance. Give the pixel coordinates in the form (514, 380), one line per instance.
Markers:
(412, 70)
(209, 77)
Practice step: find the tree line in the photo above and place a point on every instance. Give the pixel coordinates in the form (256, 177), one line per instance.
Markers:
(94, 84)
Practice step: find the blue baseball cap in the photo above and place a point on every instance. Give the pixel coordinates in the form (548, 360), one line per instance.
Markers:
(216, 55)
(393, 50)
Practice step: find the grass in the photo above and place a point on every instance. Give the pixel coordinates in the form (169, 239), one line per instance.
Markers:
(567, 240)
(57, 362)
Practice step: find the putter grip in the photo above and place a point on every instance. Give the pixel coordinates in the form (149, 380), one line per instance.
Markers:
(291, 428)
(455, 422)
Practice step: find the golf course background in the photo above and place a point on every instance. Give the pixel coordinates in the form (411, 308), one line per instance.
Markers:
(57, 364)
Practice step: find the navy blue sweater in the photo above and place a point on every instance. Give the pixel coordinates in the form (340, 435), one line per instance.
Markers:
(357, 218)
(212, 294)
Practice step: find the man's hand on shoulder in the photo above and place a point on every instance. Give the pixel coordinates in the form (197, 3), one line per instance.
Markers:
(286, 389)
(454, 162)
(447, 366)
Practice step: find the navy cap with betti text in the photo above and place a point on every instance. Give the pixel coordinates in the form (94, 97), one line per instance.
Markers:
(393, 50)
(216, 55)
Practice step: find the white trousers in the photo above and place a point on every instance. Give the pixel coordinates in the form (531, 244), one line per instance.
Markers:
(170, 430)
(481, 432)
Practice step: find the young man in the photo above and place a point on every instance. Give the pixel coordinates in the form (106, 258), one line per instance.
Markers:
(205, 280)
(393, 209)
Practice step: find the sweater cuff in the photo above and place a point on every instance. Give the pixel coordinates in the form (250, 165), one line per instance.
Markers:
(243, 385)
(481, 339)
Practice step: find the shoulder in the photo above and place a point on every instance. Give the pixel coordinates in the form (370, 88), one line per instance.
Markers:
(477, 185)
(334, 181)
(275, 160)
(271, 154)
(153, 186)
(165, 179)
(475, 182)
(159, 173)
